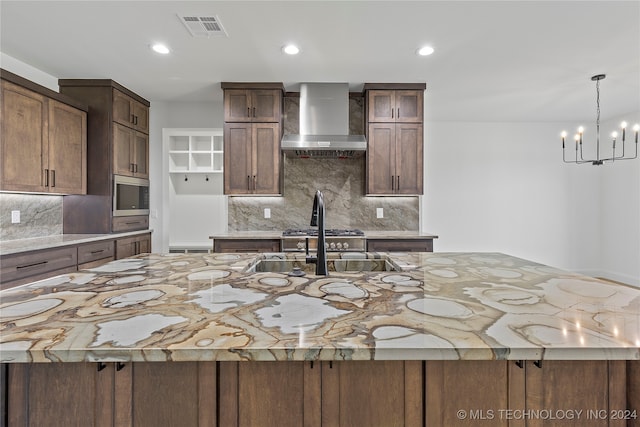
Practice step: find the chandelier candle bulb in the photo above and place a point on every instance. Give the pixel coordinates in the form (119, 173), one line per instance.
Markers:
(623, 125)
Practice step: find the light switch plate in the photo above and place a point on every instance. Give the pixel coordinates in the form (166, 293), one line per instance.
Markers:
(267, 213)
(379, 212)
(15, 217)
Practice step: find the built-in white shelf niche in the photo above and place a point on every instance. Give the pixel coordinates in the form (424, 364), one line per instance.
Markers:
(195, 151)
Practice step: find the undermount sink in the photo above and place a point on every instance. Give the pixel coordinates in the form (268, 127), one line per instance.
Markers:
(335, 265)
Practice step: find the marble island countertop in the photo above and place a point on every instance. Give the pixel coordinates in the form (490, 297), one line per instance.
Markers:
(201, 307)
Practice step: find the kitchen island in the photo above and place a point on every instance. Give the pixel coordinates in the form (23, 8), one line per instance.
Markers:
(205, 339)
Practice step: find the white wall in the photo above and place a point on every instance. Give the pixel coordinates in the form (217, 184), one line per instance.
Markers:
(620, 220)
(503, 187)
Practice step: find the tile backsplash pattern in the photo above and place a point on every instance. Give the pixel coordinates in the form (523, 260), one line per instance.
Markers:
(40, 216)
(340, 180)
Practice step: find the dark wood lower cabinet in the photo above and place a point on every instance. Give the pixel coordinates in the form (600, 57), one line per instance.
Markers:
(345, 393)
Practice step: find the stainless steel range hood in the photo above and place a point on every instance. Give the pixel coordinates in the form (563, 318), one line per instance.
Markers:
(324, 124)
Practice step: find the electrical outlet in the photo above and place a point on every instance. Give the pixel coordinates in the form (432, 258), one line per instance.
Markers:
(379, 213)
(267, 213)
(15, 217)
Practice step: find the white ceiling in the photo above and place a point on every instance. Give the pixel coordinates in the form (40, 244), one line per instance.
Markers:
(493, 61)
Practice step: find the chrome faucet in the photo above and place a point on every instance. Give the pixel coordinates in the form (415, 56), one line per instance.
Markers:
(317, 220)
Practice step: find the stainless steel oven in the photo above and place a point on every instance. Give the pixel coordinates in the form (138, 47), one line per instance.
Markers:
(130, 196)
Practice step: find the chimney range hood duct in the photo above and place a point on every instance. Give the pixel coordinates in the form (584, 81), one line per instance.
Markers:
(324, 124)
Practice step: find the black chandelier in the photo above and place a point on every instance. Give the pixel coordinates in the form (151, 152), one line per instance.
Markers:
(578, 137)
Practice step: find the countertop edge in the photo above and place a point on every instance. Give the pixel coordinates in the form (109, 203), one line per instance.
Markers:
(11, 247)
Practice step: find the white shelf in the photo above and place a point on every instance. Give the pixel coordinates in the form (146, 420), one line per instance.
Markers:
(196, 151)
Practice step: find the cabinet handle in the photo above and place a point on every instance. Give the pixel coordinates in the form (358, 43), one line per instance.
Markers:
(248, 112)
(254, 183)
(135, 167)
(120, 366)
(53, 178)
(46, 177)
(538, 363)
(35, 264)
(254, 111)
(133, 118)
(398, 183)
(392, 113)
(520, 364)
(398, 115)
(101, 366)
(248, 183)
(97, 252)
(393, 182)
(136, 120)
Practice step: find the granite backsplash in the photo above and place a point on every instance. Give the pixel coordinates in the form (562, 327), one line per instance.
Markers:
(40, 215)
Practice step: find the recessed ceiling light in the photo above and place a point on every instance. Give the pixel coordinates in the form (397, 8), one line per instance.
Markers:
(160, 48)
(291, 49)
(424, 51)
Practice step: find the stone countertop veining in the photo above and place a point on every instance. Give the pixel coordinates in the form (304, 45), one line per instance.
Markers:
(9, 247)
(204, 307)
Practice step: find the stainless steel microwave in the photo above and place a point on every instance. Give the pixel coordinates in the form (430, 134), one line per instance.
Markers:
(130, 196)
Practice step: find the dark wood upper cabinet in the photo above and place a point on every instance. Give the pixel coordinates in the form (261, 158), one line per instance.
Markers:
(395, 106)
(260, 103)
(118, 144)
(394, 138)
(252, 158)
(129, 112)
(44, 140)
(252, 133)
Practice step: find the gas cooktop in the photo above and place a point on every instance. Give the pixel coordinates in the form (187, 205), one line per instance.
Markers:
(328, 232)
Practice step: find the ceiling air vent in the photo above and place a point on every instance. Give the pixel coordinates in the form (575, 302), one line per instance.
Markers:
(203, 26)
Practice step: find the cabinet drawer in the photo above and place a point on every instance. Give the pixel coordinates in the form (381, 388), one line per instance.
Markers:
(37, 263)
(246, 245)
(94, 251)
(130, 223)
(400, 245)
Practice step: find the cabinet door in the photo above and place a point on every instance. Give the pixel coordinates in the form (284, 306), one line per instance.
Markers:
(67, 149)
(582, 385)
(480, 388)
(266, 105)
(409, 106)
(237, 105)
(238, 173)
(122, 109)
(23, 142)
(372, 393)
(381, 155)
(144, 244)
(266, 158)
(59, 394)
(409, 159)
(140, 116)
(165, 394)
(123, 149)
(131, 246)
(277, 394)
(140, 155)
(381, 106)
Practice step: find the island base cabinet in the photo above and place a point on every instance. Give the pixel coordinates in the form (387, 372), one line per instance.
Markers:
(372, 393)
(467, 392)
(267, 394)
(165, 394)
(528, 393)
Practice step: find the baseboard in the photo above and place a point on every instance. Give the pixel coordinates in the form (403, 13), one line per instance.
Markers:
(613, 277)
